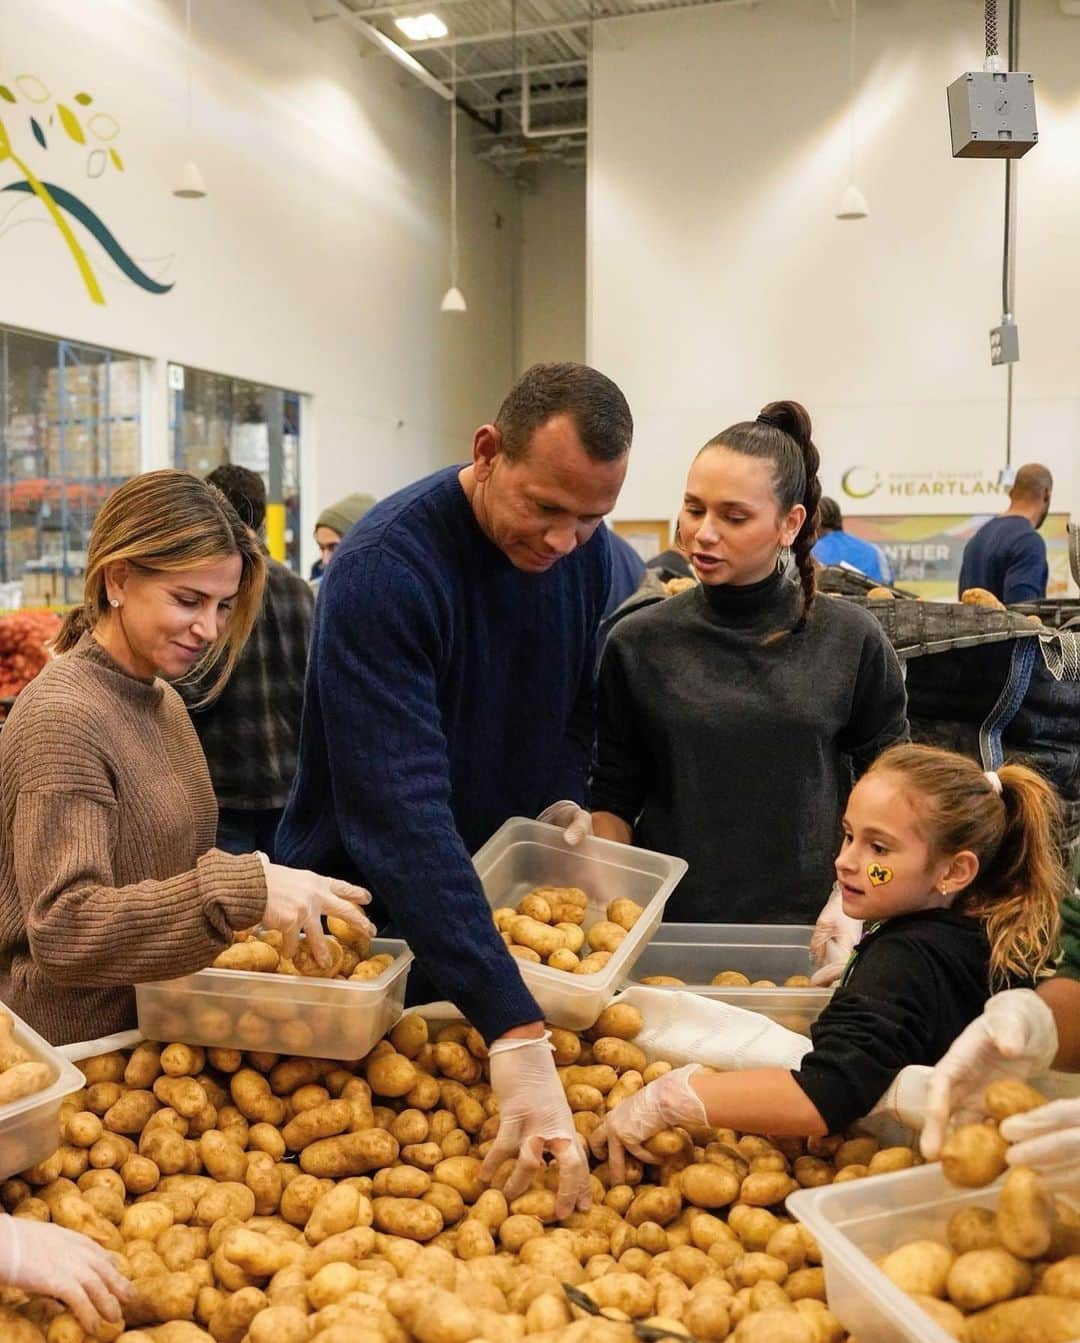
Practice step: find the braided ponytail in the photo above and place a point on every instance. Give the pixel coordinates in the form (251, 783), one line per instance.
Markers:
(793, 419)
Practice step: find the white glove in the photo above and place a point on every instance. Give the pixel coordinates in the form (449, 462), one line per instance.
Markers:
(296, 899)
(534, 1117)
(899, 1115)
(668, 1102)
(1016, 1036)
(836, 936)
(575, 820)
(1046, 1137)
(42, 1257)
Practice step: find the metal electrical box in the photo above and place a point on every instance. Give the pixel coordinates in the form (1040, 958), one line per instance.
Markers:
(992, 116)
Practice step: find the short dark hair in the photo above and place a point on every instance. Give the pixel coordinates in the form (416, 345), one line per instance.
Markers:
(244, 489)
(597, 407)
(830, 519)
(1032, 482)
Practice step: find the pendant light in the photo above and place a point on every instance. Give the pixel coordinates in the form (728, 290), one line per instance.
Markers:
(852, 203)
(190, 185)
(453, 300)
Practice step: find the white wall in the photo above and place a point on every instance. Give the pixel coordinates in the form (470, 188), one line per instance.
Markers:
(319, 257)
(719, 278)
(551, 295)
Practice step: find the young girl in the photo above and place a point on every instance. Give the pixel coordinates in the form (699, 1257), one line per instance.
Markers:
(957, 877)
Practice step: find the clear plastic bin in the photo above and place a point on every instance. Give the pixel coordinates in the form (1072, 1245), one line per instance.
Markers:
(283, 1014)
(775, 934)
(524, 854)
(857, 1222)
(759, 951)
(30, 1128)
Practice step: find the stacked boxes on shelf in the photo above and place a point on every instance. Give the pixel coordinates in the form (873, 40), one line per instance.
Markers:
(92, 412)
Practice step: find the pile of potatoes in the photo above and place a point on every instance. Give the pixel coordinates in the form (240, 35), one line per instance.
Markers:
(254, 1198)
(276, 1018)
(20, 1074)
(730, 979)
(547, 927)
(1004, 1275)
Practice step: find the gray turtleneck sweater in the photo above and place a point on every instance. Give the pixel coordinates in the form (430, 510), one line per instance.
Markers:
(738, 754)
(108, 874)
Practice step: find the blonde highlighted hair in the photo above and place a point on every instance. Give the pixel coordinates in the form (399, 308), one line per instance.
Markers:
(1017, 838)
(168, 522)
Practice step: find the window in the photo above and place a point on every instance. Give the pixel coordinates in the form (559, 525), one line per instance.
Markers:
(217, 419)
(70, 432)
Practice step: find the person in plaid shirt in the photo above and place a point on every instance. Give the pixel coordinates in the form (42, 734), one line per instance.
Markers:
(251, 732)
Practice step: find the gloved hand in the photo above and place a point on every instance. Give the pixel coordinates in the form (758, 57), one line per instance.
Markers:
(296, 899)
(1046, 1137)
(534, 1117)
(575, 820)
(665, 1103)
(42, 1257)
(1016, 1036)
(836, 936)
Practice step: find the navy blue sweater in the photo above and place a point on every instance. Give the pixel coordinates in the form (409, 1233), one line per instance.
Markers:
(1007, 557)
(446, 692)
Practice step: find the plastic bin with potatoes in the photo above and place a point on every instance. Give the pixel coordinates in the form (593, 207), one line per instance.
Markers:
(548, 927)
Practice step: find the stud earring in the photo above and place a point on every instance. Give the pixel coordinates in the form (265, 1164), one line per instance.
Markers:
(114, 601)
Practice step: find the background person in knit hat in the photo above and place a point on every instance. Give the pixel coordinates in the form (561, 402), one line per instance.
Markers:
(332, 525)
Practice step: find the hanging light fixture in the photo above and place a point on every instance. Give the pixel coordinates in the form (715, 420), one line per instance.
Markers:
(852, 203)
(453, 300)
(190, 185)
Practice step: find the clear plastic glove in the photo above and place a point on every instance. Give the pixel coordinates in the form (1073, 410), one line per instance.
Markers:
(1046, 1137)
(49, 1259)
(533, 1118)
(575, 821)
(666, 1103)
(836, 936)
(1016, 1036)
(296, 899)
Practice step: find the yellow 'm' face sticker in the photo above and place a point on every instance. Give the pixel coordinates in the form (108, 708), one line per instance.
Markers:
(879, 875)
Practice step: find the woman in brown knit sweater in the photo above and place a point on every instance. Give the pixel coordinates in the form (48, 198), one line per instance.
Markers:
(108, 871)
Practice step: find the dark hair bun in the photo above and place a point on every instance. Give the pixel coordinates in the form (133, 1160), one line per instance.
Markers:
(792, 417)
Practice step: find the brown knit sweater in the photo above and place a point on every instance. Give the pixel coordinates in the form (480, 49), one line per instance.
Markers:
(108, 874)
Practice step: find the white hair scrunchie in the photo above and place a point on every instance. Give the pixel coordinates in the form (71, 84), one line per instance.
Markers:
(994, 780)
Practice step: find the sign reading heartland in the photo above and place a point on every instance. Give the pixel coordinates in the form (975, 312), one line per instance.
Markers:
(867, 482)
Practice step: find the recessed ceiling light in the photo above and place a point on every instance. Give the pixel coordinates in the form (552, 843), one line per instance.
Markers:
(421, 27)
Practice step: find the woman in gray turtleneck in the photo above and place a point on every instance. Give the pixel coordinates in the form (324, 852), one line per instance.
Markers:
(733, 717)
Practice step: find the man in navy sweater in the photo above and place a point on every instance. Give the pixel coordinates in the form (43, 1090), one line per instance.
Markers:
(1007, 556)
(450, 686)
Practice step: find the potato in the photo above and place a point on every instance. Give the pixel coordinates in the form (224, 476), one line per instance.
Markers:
(536, 936)
(280, 1324)
(225, 1200)
(891, 1159)
(230, 1322)
(620, 1055)
(620, 1021)
(731, 979)
(981, 1278)
(594, 963)
(973, 1155)
(407, 1218)
(350, 1154)
(24, 1079)
(534, 906)
(391, 1075)
(1025, 1215)
(628, 1292)
(1062, 1278)
(624, 912)
(972, 1229)
(920, 1268)
(659, 1205)
(1031, 1319)
(325, 1120)
(708, 1186)
(253, 955)
(1009, 1096)
(251, 1095)
(944, 1314)
(526, 954)
(564, 960)
(574, 935)
(161, 1297)
(337, 1210)
(663, 981)
(605, 936)
(409, 1036)
(762, 1189)
(811, 1172)
(774, 1326)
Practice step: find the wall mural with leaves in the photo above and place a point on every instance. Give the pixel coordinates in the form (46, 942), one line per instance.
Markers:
(46, 118)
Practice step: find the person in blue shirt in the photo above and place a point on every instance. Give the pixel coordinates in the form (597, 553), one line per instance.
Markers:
(1007, 556)
(450, 687)
(835, 546)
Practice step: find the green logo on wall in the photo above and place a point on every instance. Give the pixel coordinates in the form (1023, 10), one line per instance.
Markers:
(94, 130)
(860, 482)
